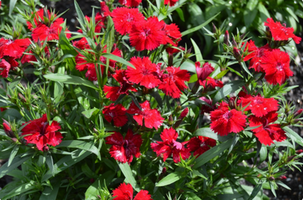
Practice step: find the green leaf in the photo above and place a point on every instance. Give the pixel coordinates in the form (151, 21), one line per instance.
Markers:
(212, 153)
(17, 161)
(169, 179)
(251, 4)
(255, 191)
(227, 89)
(87, 146)
(207, 132)
(264, 14)
(70, 79)
(13, 154)
(81, 17)
(129, 177)
(66, 162)
(291, 12)
(50, 193)
(50, 163)
(180, 13)
(249, 16)
(193, 78)
(293, 135)
(14, 189)
(12, 4)
(118, 59)
(263, 153)
(199, 27)
(198, 53)
(89, 113)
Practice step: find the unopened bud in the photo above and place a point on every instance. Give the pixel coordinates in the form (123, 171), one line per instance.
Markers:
(298, 113)
(271, 178)
(237, 54)
(21, 97)
(214, 28)
(283, 177)
(170, 120)
(183, 113)
(226, 37)
(299, 151)
(7, 129)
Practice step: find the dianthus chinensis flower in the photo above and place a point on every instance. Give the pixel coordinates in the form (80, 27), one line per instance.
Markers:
(124, 149)
(225, 120)
(145, 72)
(125, 192)
(200, 144)
(276, 66)
(116, 113)
(173, 82)
(280, 32)
(124, 18)
(267, 132)
(147, 35)
(258, 105)
(46, 27)
(151, 117)
(170, 146)
(40, 133)
(130, 3)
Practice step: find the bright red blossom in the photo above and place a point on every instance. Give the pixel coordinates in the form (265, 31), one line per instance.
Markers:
(124, 18)
(116, 113)
(4, 68)
(124, 149)
(125, 192)
(225, 121)
(147, 35)
(113, 92)
(267, 132)
(200, 144)
(170, 146)
(173, 82)
(145, 72)
(130, 3)
(170, 2)
(151, 117)
(39, 132)
(280, 32)
(259, 105)
(276, 66)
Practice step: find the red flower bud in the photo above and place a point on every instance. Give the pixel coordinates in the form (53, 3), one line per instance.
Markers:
(226, 37)
(283, 177)
(299, 151)
(7, 129)
(183, 113)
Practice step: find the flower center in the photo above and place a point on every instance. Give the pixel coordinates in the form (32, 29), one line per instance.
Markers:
(279, 67)
(145, 32)
(43, 128)
(227, 115)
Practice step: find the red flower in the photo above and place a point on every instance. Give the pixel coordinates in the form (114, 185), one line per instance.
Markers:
(200, 144)
(124, 18)
(267, 132)
(130, 3)
(46, 27)
(210, 83)
(152, 117)
(114, 92)
(259, 105)
(207, 107)
(124, 150)
(125, 192)
(147, 35)
(145, 72)
(172, 33)
(170, 2)
(99, 22)
(4, 68)
(204, 71)
(170, 146)
(39, 132)
(225, 121)
(276, 66)
(256, 55)
(0, 4)
(13, 48)
(281, 32)
(116, 113)
(173, 82)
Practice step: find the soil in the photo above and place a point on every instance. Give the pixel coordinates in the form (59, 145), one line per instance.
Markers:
(294, 179)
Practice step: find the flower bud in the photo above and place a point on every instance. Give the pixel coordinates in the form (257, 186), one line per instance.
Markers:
(237, 54)
(271, 178)
(283, 177)
(7, 129)
(299, 151)
(226, 37)
(183, 113)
